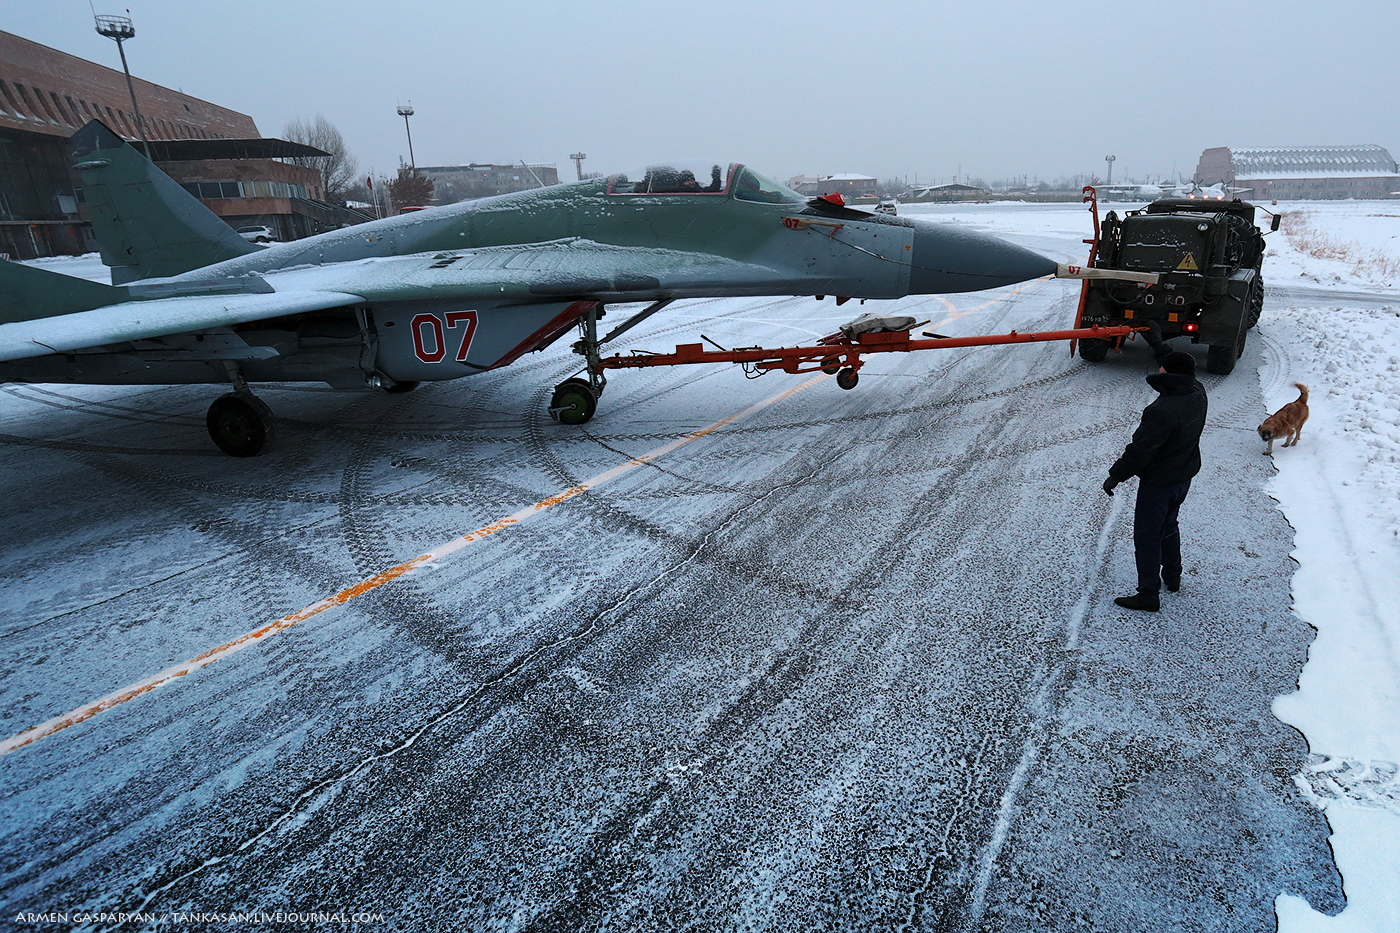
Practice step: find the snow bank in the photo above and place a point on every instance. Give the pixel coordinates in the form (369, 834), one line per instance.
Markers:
(1340, 489)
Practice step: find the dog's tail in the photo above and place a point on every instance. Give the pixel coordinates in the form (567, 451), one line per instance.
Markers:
(1303, 392)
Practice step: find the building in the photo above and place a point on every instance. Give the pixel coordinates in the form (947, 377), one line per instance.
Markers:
(216, 153)
(848, 186)
(950, 192)
(452, 183)
(1303, 173)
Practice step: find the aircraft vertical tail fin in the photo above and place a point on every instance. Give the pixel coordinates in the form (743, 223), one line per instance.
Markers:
(146, 225)
(28, 293)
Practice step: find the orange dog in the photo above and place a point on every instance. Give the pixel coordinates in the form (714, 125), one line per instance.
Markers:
(1287, 421)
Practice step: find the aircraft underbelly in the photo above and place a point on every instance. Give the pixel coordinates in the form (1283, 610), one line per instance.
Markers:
(435, 340)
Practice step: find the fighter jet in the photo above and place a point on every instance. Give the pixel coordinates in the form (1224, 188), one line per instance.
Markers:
(446, 292)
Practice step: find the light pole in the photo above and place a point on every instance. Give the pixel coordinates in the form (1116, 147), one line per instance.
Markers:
(406, 111)
(1110, 160)
(119, 28)
(578, 158)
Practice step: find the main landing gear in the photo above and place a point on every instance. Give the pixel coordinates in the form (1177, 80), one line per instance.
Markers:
(240, 423)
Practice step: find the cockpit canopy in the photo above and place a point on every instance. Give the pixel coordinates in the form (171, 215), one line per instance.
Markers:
(702, 179)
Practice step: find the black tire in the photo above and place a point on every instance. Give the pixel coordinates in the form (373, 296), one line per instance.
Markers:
(240, 425)
(1220, 361)
(400, 387)
(831, 365)
(573, 402)
(847, 378)
(1093, 350)
(1255, 302)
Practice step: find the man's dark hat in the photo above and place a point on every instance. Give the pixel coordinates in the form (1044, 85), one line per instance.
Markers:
(1179, 362)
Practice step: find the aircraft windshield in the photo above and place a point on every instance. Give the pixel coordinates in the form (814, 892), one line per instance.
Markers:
(674, 178)
(752, 186)
(703, 178)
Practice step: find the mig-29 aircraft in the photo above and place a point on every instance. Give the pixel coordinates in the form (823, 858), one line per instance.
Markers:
(446, 292)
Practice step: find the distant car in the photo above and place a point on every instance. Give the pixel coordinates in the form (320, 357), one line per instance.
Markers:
(258, 234)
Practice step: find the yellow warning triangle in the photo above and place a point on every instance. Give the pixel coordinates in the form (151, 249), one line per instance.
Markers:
(1188, 264)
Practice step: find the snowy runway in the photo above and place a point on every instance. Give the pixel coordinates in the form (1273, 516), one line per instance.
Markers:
(849, 661)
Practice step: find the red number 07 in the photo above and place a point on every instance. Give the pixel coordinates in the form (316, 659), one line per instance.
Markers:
(439, 350)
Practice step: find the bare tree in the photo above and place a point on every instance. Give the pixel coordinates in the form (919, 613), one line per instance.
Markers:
(337, 169)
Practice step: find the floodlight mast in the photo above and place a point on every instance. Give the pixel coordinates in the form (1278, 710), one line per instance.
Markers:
(1110, 160)
(119, 28)
(406, 111)
(578, 158)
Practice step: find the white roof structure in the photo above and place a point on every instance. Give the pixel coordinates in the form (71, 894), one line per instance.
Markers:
(1312, 162)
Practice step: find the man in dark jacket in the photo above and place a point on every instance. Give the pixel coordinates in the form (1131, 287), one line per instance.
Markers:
(1165, 453)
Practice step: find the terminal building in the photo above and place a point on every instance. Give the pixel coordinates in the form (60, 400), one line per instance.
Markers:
(849, 186)
(216, 153)
(1304, 173)
(452, 183)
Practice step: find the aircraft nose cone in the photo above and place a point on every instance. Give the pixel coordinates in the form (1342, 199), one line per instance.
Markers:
(949, 259)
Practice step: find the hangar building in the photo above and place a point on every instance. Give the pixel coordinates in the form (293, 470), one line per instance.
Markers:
(216, 153)
(1303, 173)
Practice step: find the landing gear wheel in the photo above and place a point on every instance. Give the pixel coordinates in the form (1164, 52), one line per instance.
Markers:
(240, 425)
(573, 402)
(831, 365)
(847, 378)
(401, 387)
(1093, 350)
(1221, 360)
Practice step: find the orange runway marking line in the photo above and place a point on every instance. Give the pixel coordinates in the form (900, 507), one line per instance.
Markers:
(369, 584)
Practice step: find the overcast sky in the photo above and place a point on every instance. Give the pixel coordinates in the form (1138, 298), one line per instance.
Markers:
(993, 89)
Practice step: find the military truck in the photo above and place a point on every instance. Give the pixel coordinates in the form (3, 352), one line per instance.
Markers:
(1209, 254)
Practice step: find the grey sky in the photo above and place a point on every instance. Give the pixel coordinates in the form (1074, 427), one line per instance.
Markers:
(890, 88)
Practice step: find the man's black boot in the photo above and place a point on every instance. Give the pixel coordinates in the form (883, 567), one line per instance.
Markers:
(1144, 602)
(1172, 585)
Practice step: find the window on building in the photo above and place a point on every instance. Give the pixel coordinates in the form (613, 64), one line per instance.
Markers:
(63, 113)
(39, 95)
(29, 107)
(9, 99)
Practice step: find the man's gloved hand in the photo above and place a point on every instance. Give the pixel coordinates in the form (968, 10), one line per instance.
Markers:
(1108, 485)
(1153, 334)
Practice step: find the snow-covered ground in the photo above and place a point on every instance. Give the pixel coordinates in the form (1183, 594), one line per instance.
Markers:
(1333, 324)
(1340, 489)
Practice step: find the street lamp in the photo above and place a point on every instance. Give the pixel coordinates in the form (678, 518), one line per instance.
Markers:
(578, 158)
(406, 111)
(119, 28)
(1110, 160)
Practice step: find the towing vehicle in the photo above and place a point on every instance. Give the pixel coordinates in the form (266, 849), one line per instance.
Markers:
(1193, 266)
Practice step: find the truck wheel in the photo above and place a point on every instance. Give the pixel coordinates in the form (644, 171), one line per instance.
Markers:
(1221, 360)
(1254, 304)
(1093, 350)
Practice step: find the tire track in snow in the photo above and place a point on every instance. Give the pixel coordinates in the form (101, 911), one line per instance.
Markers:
(1043, 704)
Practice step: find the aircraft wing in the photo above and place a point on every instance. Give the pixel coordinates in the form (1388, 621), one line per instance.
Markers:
(551, 270)
(515, 275)
(140, 320)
